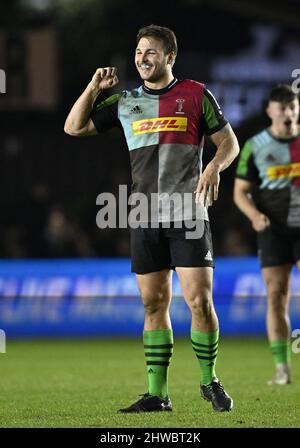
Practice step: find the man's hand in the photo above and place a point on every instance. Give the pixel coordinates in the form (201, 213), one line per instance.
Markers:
(104, 78)
(227, 149)
(79, 122)
(208, 186)
(260, 222)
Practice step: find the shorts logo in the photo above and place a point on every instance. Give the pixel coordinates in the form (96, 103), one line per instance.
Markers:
(208, 256)
(161, 124)
(284, 171)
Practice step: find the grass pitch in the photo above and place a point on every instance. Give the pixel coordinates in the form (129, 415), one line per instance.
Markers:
(81, 383)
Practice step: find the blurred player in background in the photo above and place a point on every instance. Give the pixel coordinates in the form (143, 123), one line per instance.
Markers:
(164, 122)
(267, 191)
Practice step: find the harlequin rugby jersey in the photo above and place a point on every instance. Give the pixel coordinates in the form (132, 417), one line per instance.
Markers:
(164, 130)
(273, 164)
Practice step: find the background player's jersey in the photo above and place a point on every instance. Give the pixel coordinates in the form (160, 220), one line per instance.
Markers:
(274, 165)
(164, 130)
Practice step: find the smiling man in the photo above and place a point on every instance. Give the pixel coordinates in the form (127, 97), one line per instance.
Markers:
(267, 191)
(164, 122)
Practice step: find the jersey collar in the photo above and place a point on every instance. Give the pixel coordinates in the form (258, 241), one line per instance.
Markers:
(160, 91)
(284, 140)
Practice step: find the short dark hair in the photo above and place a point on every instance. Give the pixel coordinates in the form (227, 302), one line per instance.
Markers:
(165, 35)
(282, 93)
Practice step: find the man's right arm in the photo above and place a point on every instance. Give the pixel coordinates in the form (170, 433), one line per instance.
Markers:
(78, 122)
(246, 177)
(243, 199)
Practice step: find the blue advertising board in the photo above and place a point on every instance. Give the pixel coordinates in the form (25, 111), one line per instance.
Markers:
(100, 297)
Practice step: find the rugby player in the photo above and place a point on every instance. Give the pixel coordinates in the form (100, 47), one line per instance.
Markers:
(267, 191)
(164, 122)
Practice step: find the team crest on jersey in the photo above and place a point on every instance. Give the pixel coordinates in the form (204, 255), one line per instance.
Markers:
(180, 102)
(160, 124)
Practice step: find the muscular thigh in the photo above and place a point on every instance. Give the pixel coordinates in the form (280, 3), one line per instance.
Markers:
(277, 280)
(196, 282)
(155, 286)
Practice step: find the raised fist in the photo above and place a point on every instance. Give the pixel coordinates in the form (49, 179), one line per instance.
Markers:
(104, 78)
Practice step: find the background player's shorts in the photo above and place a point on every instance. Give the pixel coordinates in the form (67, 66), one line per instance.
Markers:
(166, 248)
(278, 246)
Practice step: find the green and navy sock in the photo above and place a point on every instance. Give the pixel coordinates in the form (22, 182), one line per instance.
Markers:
(158, 345)
(205, 346)
(281, 351)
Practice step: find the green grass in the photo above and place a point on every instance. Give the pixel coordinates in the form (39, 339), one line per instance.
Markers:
(76, 383)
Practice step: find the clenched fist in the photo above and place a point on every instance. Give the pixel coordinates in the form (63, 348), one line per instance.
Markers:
(260, 222)
(104, 78)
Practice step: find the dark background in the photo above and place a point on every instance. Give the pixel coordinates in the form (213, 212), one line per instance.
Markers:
(49, 51)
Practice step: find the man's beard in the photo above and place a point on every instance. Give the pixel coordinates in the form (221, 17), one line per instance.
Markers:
(156, 76)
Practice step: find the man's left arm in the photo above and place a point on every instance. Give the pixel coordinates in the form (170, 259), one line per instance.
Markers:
(227, 150)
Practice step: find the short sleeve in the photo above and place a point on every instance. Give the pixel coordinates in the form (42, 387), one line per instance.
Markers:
(212, 116)
(246, 168)
(105, 114)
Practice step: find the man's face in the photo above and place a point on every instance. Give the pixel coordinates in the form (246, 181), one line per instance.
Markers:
(284, 116)
(151, 61)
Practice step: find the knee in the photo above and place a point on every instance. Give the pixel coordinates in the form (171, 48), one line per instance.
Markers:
(276, 305)
(277, 289)
(155, 302)
(277, 297)
(201, 304)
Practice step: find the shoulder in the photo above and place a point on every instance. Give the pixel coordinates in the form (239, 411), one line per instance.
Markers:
(191, 85)
(133, 93)
(108, 102)
(198, 86)
(116, 98)
(259, 140)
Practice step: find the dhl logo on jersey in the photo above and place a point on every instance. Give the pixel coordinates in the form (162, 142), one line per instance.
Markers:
(284, 171)
(178, 124)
